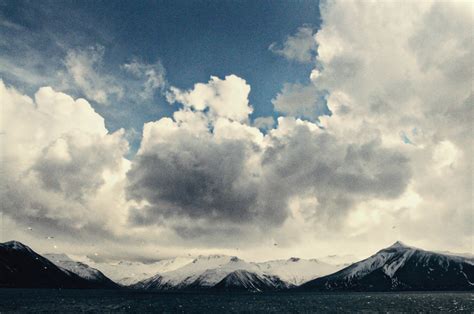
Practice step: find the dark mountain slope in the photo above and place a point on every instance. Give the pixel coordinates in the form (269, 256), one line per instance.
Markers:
(401, 268)
(21, 267)
(242, 280)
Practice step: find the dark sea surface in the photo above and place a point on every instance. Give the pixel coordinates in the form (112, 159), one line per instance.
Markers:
(108, 301)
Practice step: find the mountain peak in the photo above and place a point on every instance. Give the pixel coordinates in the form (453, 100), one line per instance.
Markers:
(16, 245)
(398, 244)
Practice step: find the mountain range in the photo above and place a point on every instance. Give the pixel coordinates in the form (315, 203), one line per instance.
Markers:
(395, 268)
(230, 271)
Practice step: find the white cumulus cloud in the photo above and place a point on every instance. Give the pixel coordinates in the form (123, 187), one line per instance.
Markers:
(224, 98)
(59, 162)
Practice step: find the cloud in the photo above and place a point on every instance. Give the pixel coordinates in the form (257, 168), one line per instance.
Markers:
(196, 177)
(11, 25)
(152, 75)
(83, 66)
(304, 159)
(299, 100)
(299, 47)
(72, 164)
(224, 98)
(62, 165)
(405, 72)
(195, 166)
(194, 170)
(264, 123)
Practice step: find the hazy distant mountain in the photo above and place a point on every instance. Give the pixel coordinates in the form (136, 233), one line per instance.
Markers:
(467, 255)
(296, 271)
(21, 267)
(340, 260)
(401, 267)
(130, 272)
(78, 268)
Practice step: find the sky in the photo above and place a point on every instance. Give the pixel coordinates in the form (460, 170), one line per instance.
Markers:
(263, 129)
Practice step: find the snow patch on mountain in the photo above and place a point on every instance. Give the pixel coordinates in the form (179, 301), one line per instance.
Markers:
(78, 268)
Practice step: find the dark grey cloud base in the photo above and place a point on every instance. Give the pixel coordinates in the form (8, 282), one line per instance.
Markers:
(198, 179)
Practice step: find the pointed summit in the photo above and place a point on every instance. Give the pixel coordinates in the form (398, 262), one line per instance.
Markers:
(398, 244)
(16, 245)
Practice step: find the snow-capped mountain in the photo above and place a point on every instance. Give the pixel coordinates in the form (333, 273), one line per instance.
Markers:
(296, 271)
(130, 272)
(247, 281)
(232, 272)
(78, 268)
(21, 267)
(401, 267)
(203, 271)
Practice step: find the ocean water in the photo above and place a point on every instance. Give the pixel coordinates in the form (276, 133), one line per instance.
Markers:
(103, 301)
